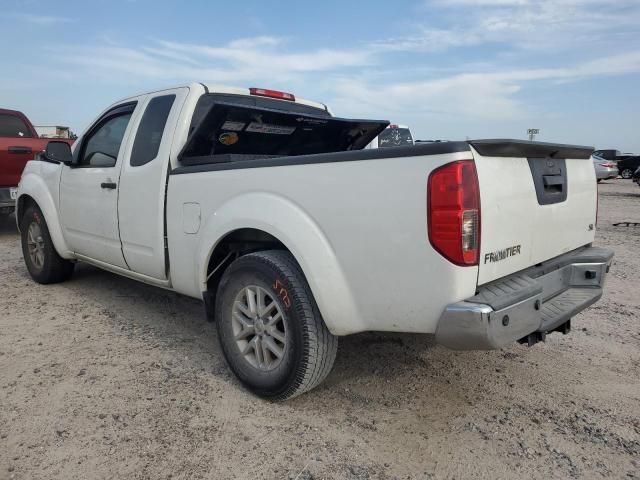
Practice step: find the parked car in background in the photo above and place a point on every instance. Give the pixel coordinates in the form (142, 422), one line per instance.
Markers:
(627, 162)
(267, 208)
(605, 169)
(628, 166)
(610, 154)
(19, 143)
(393, 136)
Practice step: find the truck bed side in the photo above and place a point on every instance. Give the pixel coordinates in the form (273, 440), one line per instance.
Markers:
(355, 221)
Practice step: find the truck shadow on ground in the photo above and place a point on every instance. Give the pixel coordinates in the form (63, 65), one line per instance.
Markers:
(621, 194)
(177, 325)
(8, 225)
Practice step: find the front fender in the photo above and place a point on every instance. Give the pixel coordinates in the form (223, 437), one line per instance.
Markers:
(38, 180)
(297, 230)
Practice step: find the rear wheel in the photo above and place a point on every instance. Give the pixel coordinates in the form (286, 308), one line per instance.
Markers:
(42, 261)
(269, 326)
(626, 173)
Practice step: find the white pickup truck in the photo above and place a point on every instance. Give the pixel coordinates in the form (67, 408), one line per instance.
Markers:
(271, 211)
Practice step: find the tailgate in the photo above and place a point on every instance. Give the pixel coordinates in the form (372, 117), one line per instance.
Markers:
(538, 201)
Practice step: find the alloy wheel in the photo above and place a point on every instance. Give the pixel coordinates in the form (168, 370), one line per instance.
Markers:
(259, 328)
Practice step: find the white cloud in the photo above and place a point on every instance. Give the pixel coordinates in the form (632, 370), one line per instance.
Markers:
(240, 60)
(368, 80)
(489, 92)
(480, 96)
(39, 19)
(532, 24)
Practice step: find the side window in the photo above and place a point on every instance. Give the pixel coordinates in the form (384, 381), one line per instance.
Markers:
(101, 147)
(13, 126)
(149, 136)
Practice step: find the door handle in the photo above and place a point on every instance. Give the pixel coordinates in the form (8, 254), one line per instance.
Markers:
(19, 150)
(109, 185)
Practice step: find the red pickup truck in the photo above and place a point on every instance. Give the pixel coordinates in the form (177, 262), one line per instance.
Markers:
(19, 143)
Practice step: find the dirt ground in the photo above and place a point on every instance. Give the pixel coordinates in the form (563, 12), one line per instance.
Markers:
(102, 377)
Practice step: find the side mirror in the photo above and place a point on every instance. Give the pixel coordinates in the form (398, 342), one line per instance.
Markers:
(58, 151)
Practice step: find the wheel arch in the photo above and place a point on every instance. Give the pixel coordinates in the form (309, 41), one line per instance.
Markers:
(33, 191)
(267, 221)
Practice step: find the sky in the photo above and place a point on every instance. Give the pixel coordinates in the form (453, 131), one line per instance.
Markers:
(450, 69)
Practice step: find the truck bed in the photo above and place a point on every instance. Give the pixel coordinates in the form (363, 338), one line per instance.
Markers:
(373, 217)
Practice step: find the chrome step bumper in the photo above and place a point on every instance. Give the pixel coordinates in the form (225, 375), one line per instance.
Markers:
(539, 299)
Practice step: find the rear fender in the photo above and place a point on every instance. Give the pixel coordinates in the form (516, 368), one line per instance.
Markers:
(302, 236)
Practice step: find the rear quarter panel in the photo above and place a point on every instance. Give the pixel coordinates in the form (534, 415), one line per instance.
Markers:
(357, 229)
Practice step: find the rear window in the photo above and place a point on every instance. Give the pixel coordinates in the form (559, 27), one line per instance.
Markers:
(13, 126)
(149, 136)
(235, 132)
(395, 137)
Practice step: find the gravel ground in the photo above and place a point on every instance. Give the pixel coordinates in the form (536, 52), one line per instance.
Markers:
(102, 377)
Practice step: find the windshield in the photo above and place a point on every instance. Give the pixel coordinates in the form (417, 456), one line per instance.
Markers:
(395, 137)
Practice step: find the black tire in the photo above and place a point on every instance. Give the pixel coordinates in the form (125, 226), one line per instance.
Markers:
(310, 348)
(626, 173)
(54, 268)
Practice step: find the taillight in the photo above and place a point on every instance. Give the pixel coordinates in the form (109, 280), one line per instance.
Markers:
(453, 208)
(263, 92)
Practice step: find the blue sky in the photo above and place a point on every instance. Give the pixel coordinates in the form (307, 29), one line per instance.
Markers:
(449, 68)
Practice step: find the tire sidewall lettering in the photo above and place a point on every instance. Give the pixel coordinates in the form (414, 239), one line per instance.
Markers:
(282, 292)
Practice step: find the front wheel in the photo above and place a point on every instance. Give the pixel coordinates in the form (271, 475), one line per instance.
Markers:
(626, 173)
(40, 256)
(269, 326)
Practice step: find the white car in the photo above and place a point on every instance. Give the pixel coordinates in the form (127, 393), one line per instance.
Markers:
(271, 211)
(605, 169)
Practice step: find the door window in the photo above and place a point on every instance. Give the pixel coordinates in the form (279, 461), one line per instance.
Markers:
(13, 126)
(149, 136)
(101, 147)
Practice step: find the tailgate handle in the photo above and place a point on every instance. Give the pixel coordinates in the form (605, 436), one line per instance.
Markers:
(20, 150)
(552, 183)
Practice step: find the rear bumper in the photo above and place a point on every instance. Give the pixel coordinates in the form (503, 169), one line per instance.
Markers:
(539, 299)
(6, 202)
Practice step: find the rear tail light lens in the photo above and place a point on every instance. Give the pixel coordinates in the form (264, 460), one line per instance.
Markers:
(608, 164)
(453, 207)
(263, 92)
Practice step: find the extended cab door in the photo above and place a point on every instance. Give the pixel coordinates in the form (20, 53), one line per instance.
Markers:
(143, 182)
(89, 189)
